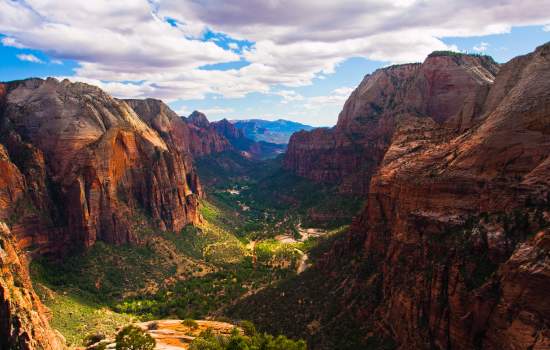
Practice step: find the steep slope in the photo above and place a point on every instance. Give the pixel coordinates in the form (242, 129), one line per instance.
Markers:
(446, 88)
(452, 250)
(192, 135)
(276, 131)
(23, 321)
(222, 136)
(469, 216)
(248, 147)
(89, 166)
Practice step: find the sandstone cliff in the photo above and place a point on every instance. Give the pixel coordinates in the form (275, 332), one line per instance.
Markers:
(192, 135)
(247, 147)
(448, 89)
(23, 321)
(222, 136)
(85, 167)
(452, 250)
(458, 225)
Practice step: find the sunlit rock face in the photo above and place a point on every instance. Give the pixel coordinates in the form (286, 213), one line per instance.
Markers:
(448, 89)
(84, 167)
(458, 221)
(23, 321)
(452, 249)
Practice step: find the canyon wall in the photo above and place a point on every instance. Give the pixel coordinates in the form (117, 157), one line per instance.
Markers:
(453, 248)
(447, 88)
(192, 135)
(84, 167)
(23, 321)
(78, 166)
(457, 223)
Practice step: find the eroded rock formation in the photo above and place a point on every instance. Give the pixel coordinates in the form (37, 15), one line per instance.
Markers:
(452, 250)
(23, 320)
(448, 89)
(85, 167)
(247, 147)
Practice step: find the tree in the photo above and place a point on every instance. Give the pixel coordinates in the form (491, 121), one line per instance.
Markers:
(134, 338)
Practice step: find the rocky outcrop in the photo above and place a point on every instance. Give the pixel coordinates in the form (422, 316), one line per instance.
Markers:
(192, 135)
(198, 119)
(449, 219)
(205, 138)
(447, 88)
(227, 129)
(452, 250)
(270, 131)
(23, 321)
(87, 168)
(247, 147)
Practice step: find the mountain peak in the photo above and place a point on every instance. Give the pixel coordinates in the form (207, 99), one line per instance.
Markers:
(199, 119)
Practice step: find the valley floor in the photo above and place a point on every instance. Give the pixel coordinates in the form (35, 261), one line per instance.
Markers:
(258, 228)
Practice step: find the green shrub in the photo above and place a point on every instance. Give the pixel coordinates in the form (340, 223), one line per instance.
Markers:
(248, 328)
(134, 338)
(190, 323)
(93, 338)
(207, 341)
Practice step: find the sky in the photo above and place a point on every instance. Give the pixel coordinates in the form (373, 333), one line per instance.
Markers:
(271, 59)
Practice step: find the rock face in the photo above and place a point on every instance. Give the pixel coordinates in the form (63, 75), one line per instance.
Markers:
(247, 147)
(271, 131)
(205, 137)
(449, 218)
(453, 248)
(192, 135)
(448, 89)
(85, 167)
(23, 322)
(215, 137)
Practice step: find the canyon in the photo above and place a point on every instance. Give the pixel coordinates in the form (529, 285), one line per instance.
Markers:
(450, 251)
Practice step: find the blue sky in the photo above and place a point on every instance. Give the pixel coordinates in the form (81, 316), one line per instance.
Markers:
(252, 65)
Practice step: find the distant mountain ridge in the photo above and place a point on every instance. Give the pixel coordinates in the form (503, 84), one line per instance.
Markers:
(234, 137)
(273, 131)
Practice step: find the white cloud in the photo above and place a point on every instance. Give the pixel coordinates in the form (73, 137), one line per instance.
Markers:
(29, 58)
(546, 28)
(336, 98)
(481, 47)
(216, 111)
(289, 96)
(129, 48)
(183, 111)
(233, 46)
(7, 41)
(114, 41)
(56, 61)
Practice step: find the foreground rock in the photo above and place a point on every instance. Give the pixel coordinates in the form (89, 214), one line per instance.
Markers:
(23, 321)
(175, 334)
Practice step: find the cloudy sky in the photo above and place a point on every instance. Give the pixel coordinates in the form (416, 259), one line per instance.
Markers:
(292, 59)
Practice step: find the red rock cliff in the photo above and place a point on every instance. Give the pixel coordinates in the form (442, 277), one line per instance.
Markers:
(448, 89)
(193, 135)
(23, 322)
(453, 248)
(87, 168)
(456, 225)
